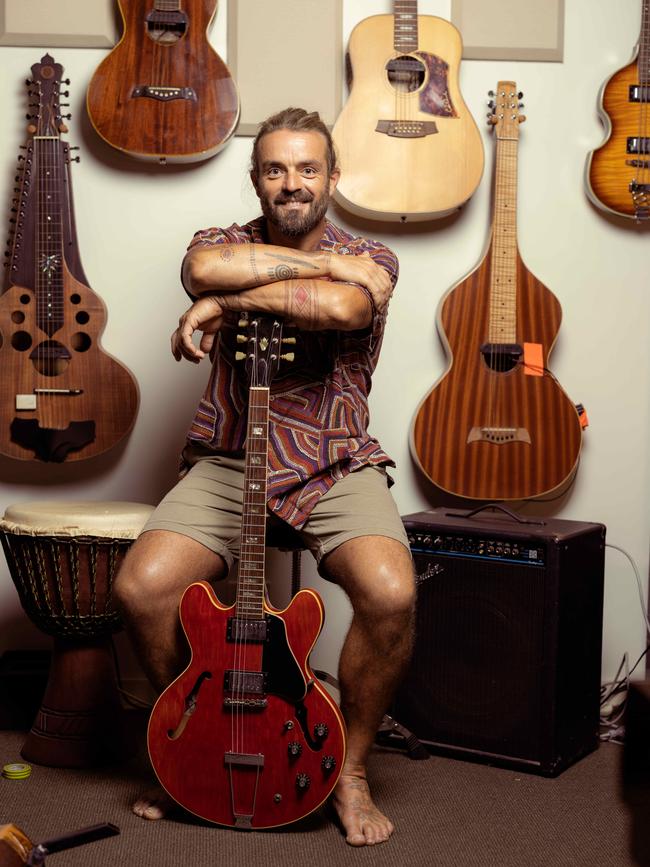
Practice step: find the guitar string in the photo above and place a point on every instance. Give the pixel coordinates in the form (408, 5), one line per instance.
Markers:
(642, 68)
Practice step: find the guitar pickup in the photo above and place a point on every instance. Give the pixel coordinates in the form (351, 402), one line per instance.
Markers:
(639, 93)
(407, 128)
(250, 682)
(638, 144)
(164, 94)
(251, 631)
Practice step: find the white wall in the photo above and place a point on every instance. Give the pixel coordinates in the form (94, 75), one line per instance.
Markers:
(134, 222)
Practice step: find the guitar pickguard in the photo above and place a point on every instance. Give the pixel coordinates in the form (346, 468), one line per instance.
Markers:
(435, 98)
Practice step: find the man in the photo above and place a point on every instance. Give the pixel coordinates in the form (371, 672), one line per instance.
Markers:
(326, 474)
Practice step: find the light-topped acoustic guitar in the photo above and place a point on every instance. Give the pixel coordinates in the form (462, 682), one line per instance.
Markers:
(246, 736)
(617, 174)
(62, 397)
(163, 93)
(497, 425)
(408, 147)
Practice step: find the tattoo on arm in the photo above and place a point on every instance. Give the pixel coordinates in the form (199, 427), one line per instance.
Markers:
(302, 300)
(252, 258)
(226, 254)
(294, 260)
(282, 272)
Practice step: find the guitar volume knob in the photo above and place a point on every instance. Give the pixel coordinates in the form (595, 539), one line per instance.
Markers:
(294, 749)
(321, 731)
(328, 764)
(302, 782)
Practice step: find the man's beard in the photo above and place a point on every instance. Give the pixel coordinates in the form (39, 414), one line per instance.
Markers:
(293, 224)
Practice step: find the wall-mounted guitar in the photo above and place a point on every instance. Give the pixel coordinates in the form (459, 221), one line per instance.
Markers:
(617, 174)
(246, 736)
(409, 148)
(61, 396)
(163, 93)
(497, 425)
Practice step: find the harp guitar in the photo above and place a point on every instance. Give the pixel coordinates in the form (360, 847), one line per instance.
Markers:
(498, 426)
(62, 397)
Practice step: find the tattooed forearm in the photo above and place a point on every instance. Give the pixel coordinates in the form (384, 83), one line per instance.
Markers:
(252, 258)
(282, 272)
(301, 299)
(294, 260)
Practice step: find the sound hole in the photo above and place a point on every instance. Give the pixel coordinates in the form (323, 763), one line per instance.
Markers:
(502, 357)
(80, 342)
(25, 299)
(166, 27)
(21, 340)
(18, 317)
(82, 317)
(406, 74)
(75, 298)
(50, 358)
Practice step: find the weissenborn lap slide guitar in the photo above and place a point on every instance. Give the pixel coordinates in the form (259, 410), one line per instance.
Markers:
(498, 426)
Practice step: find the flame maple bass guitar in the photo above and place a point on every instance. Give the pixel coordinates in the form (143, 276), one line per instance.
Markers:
(617, 174)
(408, 146)
(246, 736)
(163, 94)
(498, 426)
(61, 395)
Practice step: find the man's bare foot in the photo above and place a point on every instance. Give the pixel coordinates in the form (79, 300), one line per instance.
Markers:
(363, 823)
(154, 804)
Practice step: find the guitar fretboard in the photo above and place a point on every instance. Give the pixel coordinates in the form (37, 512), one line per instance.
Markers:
(250, 585)
(644, 44)
(167, 5)
(405, 38)
(49, 234)
(503, 278)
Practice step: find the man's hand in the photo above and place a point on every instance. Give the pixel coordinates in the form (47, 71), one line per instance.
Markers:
(204, 315)
(364, 271)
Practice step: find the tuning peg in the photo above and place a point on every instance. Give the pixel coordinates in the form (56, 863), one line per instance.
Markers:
(491, 103)
(243, 322)
(74, 159)
(240, 356)
(241, 338)
(521, 118)
(520, 94)
(289, 340)
(288, 356)
(29, 81)
(491, 93)
(66, 116)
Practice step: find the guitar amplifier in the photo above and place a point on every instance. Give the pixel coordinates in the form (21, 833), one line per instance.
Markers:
(507, 657)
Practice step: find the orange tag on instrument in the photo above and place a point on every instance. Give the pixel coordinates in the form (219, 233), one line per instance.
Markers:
(533, 359)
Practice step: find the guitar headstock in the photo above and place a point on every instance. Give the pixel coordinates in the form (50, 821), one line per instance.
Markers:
(263, 353)
(45, 86)
(505, 105)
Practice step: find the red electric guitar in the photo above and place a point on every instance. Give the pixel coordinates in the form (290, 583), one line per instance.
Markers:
(246, 736)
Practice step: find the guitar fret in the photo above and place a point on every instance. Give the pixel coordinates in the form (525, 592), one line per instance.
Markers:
(405, 25)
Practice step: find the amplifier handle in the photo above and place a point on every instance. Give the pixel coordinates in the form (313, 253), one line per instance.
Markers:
(495, 506)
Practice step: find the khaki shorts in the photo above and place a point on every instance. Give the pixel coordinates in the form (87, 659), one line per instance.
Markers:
(206, 505)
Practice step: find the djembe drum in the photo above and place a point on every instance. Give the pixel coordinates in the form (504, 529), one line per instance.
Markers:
(63, 557)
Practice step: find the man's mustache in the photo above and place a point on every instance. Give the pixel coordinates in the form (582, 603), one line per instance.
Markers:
(300, 196)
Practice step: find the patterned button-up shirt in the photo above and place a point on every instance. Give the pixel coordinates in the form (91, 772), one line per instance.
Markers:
(318, 405)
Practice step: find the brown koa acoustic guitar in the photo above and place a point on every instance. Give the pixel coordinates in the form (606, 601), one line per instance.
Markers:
(408, 147)
(62, 397)
(617, 173)
(163, 93)
(246, 736)
(498, 426)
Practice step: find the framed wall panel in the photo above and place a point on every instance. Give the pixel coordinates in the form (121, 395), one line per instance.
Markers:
(510, 29)
(59, 23)
(285, 52)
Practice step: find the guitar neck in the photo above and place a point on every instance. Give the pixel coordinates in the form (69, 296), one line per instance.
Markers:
(48, 240)
(250, 585)
(644, 44)
(405, 26)
(503, 275)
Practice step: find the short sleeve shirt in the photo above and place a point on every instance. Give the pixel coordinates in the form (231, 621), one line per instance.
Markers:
(318, 406)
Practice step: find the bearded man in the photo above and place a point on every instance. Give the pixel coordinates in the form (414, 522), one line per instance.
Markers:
(326, 475)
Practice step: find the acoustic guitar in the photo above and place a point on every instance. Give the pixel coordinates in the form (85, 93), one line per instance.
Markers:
(61, 395)
(617, 174)
(497, 425)
(246, 736)
(408, 146)
(163, 93)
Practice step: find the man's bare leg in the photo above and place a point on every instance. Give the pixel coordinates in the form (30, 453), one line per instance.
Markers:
(156, 571)
(377, 574)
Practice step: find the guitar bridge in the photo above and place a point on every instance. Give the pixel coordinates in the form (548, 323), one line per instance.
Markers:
(164, 94)
(498, 435)
(407, 128)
